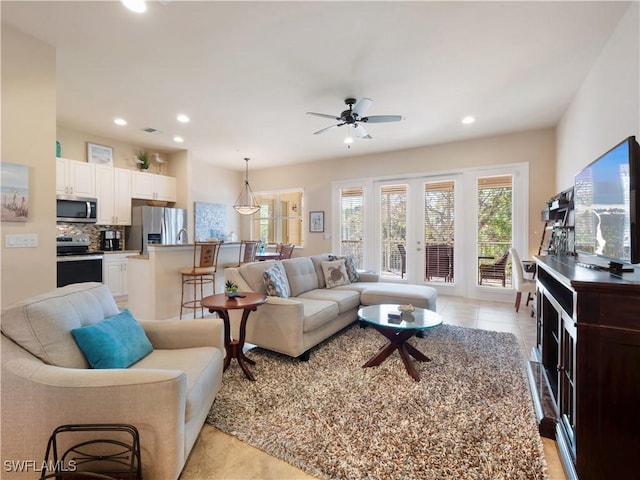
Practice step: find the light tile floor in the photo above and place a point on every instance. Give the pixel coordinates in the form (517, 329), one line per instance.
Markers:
(217, 455)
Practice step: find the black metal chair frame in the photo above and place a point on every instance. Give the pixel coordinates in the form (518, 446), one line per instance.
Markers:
(128, 455)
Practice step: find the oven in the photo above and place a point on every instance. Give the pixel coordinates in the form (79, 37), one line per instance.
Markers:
(76, 262)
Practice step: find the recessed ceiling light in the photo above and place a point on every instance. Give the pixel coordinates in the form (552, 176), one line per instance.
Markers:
(178, 139)
(120, 121)
(468, 120)
(182, 118)
(137, 6)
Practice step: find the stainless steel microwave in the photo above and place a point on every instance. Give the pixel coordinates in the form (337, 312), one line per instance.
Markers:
(76, 209)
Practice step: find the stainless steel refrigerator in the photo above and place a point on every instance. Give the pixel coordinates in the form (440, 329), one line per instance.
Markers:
(156, 225)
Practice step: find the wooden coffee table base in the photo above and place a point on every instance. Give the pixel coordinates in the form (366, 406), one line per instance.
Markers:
(398, 341)
(221, 305)
(234, 347)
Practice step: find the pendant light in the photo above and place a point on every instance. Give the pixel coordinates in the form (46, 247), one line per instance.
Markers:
(246, 203)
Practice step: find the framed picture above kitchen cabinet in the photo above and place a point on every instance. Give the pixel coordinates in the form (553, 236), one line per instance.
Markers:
(99, 154)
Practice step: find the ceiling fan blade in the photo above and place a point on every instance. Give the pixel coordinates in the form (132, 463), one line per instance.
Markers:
(362, 106)
(328, 128)
(324, 115)
(361, 132)
(382, 118)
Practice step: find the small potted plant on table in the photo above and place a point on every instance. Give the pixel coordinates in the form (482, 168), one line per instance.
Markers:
(231, 289)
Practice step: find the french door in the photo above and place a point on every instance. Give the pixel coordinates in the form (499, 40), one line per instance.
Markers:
(438, 229)
(417, 227)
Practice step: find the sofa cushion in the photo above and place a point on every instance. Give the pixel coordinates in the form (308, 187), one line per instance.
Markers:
(275, 281)
(199, 365)
(317, 313)
(417, 295)
(317, 264)
(301, 274)
(42, 324)
(253, 275)
(350, 265)
(345, 299)
(116, 342)
(335, 273)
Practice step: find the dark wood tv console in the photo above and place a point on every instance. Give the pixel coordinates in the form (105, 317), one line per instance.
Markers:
(585, 370)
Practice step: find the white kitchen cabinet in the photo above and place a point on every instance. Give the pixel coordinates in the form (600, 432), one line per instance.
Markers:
(113, 191)
(153, 187)
(75, 178)
(114, 273)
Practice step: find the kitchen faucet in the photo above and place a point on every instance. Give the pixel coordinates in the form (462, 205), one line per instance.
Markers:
(186, 235)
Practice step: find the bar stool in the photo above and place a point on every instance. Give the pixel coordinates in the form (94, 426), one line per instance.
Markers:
(248, 250)
(203, 272)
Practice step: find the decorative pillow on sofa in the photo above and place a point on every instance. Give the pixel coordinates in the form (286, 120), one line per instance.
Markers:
(276, 281)
(115, 342)
(350, 265)
(335, 273)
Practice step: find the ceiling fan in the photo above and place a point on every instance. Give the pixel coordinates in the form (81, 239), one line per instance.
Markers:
(354, 117)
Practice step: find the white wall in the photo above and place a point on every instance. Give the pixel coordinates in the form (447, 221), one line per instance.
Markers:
(606, 109)
(208, 183)
(28, 138)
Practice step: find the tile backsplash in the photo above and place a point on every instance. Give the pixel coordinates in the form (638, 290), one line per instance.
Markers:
(91, 230)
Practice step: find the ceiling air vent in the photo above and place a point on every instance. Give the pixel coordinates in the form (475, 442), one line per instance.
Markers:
(150, 130)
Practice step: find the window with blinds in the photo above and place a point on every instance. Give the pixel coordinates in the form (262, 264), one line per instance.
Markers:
(393, 229)
(280, 217)
(352, 223)
(495, 224)
(439, 232)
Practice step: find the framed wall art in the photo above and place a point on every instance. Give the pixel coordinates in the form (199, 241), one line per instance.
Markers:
(316, 221)
(15, 192)
(100, 154)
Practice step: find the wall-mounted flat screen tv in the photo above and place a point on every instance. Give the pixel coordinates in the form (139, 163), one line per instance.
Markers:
(605, 197)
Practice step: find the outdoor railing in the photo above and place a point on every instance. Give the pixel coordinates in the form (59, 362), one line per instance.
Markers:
(438, 259)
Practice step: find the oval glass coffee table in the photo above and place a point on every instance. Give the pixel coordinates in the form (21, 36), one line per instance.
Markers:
(399, 327)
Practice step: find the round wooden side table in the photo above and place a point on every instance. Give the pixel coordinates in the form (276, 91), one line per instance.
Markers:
(221, 304)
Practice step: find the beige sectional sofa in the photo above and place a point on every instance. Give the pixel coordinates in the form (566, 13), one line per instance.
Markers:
(312, 312)
(47, 382)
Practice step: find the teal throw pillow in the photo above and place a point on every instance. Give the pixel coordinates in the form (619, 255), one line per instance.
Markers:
(115, 342)
(276, 281)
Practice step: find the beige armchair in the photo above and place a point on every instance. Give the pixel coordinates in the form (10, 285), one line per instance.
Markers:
(46, 382)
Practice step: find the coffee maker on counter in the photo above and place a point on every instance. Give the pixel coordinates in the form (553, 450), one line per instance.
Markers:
(109, 240)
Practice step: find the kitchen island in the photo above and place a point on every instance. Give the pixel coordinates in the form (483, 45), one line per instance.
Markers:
(155, 283)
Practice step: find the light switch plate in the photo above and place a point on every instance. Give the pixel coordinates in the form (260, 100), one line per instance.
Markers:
(21, 240)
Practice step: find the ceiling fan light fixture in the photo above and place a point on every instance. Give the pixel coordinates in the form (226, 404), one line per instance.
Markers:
(354, 116)
(246, 204)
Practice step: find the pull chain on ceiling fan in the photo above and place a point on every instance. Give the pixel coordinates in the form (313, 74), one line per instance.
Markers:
(354, 117)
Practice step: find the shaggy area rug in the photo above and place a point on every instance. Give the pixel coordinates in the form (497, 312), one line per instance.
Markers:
(469, 417)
